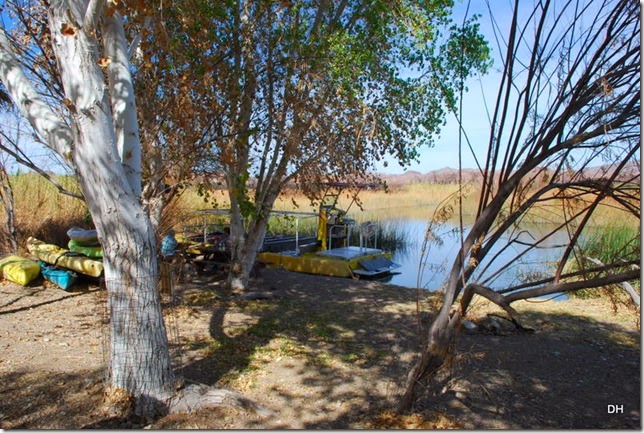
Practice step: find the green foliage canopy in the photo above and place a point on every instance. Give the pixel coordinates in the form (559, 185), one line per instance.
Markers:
(311, 91)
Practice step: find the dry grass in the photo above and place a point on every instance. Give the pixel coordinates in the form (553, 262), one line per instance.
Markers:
(577, 320)
(420, 201)
(43, 212)
(390, 420)
(409, 201)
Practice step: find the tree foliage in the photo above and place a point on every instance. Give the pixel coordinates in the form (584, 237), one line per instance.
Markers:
(90, 122)
(277, 93)
(306, 92)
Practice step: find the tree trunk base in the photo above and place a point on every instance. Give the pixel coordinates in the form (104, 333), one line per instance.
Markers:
(122, 405)
(422, 373)
(439, 350)
(195, 397)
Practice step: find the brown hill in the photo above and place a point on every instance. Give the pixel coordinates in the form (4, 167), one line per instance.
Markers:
(450, 175)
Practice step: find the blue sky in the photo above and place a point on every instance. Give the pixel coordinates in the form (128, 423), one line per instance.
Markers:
(445, 151)
(477, 126)
(481, 89)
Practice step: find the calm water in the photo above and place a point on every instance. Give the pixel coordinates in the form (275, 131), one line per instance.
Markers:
(440, 256)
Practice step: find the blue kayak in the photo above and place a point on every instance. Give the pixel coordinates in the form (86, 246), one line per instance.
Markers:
(63, 278)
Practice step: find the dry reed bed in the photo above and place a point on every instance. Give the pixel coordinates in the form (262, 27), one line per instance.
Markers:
(43, 212)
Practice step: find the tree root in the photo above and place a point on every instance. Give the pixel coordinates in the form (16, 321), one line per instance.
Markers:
(194, 397)
(120, 404)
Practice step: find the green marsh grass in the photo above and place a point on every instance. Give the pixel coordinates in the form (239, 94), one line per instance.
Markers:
(610, 244)
(613, 242)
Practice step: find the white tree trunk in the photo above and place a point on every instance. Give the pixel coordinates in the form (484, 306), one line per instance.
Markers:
(123, 103)
(139, 357)
(50, 126)
(100, 145)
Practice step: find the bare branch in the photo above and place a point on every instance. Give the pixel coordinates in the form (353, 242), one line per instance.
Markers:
(576, 285)
(624, 284)
(22, 159)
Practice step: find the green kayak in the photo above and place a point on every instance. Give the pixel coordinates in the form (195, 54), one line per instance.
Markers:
(95, 252)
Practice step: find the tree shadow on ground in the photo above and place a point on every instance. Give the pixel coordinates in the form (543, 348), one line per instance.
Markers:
(35, 291)
(314, 330)
(310, 337)
(570, 373)
(334, 353)
(41, 399)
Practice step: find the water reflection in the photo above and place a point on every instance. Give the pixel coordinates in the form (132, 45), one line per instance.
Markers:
(442, 249)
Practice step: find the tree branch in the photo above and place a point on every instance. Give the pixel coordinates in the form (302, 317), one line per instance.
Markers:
(576, 285)
(92, 15)
(57, 134)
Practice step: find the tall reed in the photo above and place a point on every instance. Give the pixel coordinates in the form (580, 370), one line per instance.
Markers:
(416, 201)
(43, 212)
(613, 243)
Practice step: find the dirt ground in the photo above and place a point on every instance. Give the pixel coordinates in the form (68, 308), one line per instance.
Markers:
(324, 352)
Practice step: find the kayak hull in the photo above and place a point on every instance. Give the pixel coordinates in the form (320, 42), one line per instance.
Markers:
(63, 278)
(93, 252)
(19, 270)
(55, 255)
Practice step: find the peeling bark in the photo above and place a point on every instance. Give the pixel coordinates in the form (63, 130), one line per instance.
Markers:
(105, 157)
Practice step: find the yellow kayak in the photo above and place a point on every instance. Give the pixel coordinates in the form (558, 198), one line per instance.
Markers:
(55, 255)
(19, 270)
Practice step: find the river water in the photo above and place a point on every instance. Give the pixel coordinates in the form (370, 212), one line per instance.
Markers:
(440, 254)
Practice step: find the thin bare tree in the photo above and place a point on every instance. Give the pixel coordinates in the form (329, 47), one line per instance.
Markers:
(563, 144)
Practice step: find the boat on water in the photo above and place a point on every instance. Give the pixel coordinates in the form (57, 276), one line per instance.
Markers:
(350, 261)
(334, 251)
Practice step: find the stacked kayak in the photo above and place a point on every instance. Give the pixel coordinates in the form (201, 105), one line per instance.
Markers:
(57, 256)
(85, 242)
(84, 237)
(19, 270)
(63, 278)
(92, 251)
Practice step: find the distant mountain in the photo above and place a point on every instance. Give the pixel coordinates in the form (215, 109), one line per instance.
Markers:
(441, 176)
(450, 175)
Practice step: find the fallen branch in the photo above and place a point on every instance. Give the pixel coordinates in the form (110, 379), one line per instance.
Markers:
(624, 284)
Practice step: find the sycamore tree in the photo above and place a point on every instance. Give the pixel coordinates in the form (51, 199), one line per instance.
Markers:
(93, 127)
(306, 92)
(563, 148)
(171, 148)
